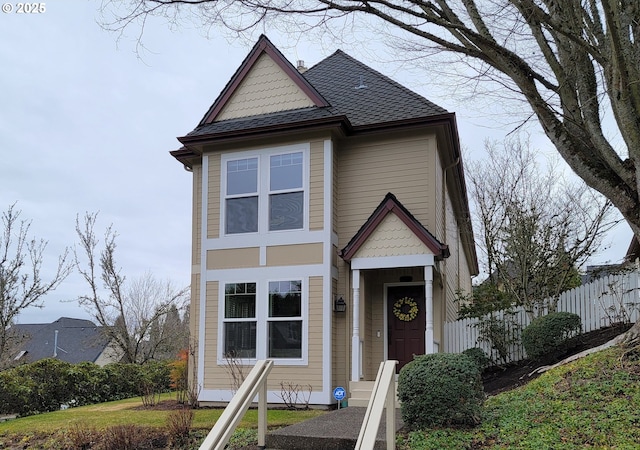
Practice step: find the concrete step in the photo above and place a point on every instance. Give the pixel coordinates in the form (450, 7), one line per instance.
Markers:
(335, 430)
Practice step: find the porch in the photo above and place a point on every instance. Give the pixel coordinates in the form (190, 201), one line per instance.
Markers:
(395, 313)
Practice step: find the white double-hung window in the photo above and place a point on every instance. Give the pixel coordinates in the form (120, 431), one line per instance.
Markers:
(265, 192)
(286, 195)
(265, 319)
(242, 196)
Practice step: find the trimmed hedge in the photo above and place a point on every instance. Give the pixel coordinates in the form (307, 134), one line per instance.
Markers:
(548, 335)
(47, 384)
(479, 356)
(440, 389)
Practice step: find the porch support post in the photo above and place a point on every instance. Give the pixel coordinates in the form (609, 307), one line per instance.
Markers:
(428, 297)
(355, 340)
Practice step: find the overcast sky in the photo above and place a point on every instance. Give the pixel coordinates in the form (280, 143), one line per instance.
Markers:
(86, 126)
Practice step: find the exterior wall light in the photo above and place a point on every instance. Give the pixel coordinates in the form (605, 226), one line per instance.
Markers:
(339, 305)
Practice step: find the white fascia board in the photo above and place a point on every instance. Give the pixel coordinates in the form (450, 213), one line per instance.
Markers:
(385, 262)
(273, 238)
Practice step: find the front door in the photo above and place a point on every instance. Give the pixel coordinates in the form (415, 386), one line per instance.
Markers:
(406, 322)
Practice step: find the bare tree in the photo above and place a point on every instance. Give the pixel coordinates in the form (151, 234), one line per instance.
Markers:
(21, 282)
(574, 62)
(534, 230)
(127, 311)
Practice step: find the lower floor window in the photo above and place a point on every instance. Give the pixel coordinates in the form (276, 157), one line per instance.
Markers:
(240, 320)
(285, 319)
(240, 340)
(274, 312)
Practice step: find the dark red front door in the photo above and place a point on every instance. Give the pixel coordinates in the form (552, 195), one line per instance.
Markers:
(405, 323)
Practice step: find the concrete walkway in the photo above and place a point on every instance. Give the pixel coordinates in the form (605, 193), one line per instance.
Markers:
(335, 430)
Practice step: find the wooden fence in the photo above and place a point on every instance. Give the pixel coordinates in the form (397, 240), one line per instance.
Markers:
(609, 300)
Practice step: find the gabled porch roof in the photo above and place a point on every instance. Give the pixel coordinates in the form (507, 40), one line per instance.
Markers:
(390, 204)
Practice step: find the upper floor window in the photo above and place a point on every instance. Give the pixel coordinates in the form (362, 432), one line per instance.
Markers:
(270, 186)
(286, 197)
(242, 196)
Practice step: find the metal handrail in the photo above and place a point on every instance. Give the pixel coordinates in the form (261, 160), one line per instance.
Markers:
(383, 396)
(254, 384)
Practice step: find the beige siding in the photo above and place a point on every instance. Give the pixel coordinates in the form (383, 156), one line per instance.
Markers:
(233, 258)
(213, 208)
(392, 238)
(452, 264)
(194, 323)
(440, 191)
(265, 89)
(316, 186)
(439, 313)
(196, 218)
(369, 169)
(340, 339)
(211, 377)
(291, 255)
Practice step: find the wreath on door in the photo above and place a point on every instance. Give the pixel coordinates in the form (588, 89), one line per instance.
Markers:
(405, 309)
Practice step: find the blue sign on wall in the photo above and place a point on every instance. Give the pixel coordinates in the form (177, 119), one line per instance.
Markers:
(339, 393)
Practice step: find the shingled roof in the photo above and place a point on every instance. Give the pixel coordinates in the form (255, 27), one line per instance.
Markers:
(356, 95)
(71, 340)
(365, 96)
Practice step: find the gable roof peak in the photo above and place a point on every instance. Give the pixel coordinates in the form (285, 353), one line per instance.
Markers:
(390, 204)
(262, 46)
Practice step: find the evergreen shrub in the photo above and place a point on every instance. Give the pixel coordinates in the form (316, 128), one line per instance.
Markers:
(479, 356)
(440, 389)
(549, 335)
(47, 384)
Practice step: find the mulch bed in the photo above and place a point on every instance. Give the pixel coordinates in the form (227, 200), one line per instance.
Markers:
(501, 379)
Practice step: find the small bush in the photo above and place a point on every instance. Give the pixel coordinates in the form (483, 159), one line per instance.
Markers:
(479, 356)
(440, 389)
(549, 335)
(123, 437)
(179, 426)
(81, 437)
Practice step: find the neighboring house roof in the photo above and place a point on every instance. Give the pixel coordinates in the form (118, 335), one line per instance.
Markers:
(67, 339)
(390, 204)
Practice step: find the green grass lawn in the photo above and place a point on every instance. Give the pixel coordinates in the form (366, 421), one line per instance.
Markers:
(591, 403)
(120, 412)
(124, 412)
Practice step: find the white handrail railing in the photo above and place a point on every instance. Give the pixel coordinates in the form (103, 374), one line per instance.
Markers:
(254, 384)
(383, 396)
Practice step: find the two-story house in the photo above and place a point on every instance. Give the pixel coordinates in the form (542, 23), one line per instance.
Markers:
(331, 225)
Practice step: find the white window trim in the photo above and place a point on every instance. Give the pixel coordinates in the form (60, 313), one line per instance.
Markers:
(262, 319)
(264, 190)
